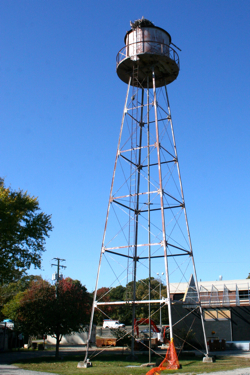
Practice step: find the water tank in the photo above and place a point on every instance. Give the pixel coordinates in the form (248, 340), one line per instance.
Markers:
(147, 39)
(147, 45)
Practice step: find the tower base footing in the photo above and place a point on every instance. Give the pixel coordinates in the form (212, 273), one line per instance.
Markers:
(208, 359)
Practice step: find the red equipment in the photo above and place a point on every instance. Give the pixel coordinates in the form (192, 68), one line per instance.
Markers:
(165, 334)
(145, 321)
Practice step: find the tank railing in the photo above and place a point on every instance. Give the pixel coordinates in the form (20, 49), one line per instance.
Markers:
(147, 47)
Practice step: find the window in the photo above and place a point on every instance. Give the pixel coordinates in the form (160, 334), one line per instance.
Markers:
(178, 297)
(210, 314)
(243, 294)
(224, 314)
(217, 314)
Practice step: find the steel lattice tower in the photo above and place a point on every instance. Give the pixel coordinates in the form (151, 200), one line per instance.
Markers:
(146, 222)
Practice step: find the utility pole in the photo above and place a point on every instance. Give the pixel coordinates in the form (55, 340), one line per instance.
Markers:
(57, 283)
(58, 271)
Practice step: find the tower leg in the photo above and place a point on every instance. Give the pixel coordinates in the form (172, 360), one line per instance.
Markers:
(149, 224)
(164, 242)
(80, 364)
(187, 225)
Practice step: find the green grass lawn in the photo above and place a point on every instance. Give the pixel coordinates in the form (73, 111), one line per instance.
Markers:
(110, 364)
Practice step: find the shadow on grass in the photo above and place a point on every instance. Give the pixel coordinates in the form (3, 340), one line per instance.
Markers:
(110, 357)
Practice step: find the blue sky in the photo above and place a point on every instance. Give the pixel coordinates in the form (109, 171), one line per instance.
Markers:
(61, 108)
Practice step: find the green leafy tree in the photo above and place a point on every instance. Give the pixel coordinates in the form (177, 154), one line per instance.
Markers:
(42, 312)
(10, 309)
(119, 312)
(8, 292)
(23, 229)
(142, 293)
(117, 294)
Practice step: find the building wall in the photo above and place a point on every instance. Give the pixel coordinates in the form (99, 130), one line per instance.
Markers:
(76, 338)
(236, 328)
(182, 326)
(3, 339)
(240, 316)
(226, 308)
(218, 329)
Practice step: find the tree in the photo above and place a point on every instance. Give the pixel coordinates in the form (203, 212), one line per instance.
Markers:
(124, 312)
(10, 309)
(117, 294)
(9, 293)
(23, 229)
(104, 312)
(120, 312)
(142, 293)
(42, 312)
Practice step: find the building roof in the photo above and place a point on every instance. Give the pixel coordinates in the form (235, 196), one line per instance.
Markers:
(242, 284)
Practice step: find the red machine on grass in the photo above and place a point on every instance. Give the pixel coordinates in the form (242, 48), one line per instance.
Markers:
(162, 334)
(145, 321)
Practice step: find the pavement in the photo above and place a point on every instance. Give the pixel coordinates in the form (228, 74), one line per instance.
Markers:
(241, 371)
(13, 370)
(6, 360)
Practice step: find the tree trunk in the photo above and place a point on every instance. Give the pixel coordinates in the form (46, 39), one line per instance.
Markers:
(57, 345)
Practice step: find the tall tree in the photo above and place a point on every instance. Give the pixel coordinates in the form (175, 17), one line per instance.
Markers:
(42, 312)
(23, 229)
(8, 292)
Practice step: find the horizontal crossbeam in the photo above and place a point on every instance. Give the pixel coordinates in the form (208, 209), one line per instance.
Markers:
(162, 301)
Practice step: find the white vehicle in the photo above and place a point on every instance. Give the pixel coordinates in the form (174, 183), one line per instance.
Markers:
(108, 323)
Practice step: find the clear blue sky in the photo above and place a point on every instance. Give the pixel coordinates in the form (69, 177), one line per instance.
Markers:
(61, 107)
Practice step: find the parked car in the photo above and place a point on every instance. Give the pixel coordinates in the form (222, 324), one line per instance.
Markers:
(108, 323)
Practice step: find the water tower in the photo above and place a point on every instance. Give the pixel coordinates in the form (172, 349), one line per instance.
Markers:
(146, 228)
